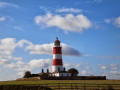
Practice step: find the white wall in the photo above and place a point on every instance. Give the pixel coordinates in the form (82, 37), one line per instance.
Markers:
(55, 68)
(61, 74)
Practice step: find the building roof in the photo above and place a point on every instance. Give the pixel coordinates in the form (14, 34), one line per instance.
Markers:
(61, 72)
(57, 40)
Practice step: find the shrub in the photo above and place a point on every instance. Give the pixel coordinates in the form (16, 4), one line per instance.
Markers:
(27, 74)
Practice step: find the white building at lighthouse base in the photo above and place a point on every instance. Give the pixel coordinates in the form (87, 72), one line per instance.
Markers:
(58, 74)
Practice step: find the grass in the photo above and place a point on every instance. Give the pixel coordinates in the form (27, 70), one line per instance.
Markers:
(91, 84)
(61, 81)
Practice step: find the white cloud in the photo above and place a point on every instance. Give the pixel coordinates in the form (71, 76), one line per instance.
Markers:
(113, 75)
(68, 23)
(22, 42)
(117, 22)
(75, 65)
(70, 10)
(117, 73)
(60, 10)
(115, 66)
(95, 1)
(84, 72)
(11, 66)
(78, 66)
(68, 64)
(40, 63)
(6, 18)
(17, 58)
(87, 67)
(69, 51)
(45, 8)
(2, 18)
(3, 61)
(114, 21)
(0, 69)
(18, 28)
(109, 57)
(48, 49)
(103, 66)
(107, 20)
(7, 46)
(21, 67)
(4, 4)
(112, 72)
(98, 1)
(40, 49)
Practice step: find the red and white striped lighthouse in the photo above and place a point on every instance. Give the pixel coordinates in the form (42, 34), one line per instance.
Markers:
(57, 57)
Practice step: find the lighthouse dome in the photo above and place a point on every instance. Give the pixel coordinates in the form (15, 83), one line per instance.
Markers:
(57, 42)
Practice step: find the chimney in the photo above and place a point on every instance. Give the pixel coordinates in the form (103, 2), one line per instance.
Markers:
(47, 70)
(64, 69)
(58, 69)
(42, 70)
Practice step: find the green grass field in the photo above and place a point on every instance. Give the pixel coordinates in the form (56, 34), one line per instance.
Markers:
(62, 81)
(61, 84)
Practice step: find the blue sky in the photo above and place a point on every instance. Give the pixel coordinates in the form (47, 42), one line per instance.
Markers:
(89, 31)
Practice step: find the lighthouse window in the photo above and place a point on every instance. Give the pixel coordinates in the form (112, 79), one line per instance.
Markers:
(57, 43)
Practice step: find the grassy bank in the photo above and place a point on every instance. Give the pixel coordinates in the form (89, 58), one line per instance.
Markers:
(61, 81)
(61, 84)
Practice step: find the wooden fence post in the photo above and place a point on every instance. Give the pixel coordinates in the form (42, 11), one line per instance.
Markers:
(76, 86)
(111, 88)
(84, 87)
(98, 86)
(59, 85)
(71, 86)
(46, 84)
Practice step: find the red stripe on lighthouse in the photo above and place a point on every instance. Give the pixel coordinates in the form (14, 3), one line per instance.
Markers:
(57, 62)
(57, 50)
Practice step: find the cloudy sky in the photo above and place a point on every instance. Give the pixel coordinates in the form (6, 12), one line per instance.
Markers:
(89, 31)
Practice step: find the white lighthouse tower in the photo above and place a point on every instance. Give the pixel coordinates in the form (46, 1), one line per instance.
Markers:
(57, 68)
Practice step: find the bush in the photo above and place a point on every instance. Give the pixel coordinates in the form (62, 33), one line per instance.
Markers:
(73, 71)
(27, 74)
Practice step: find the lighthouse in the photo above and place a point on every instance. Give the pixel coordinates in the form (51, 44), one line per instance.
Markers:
(57, 68)
(57, 57)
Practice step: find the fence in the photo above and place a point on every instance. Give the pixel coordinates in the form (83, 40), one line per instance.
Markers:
(81, 86)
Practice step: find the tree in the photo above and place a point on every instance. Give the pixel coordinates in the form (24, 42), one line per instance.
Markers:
(27, 74)
(73, 72)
